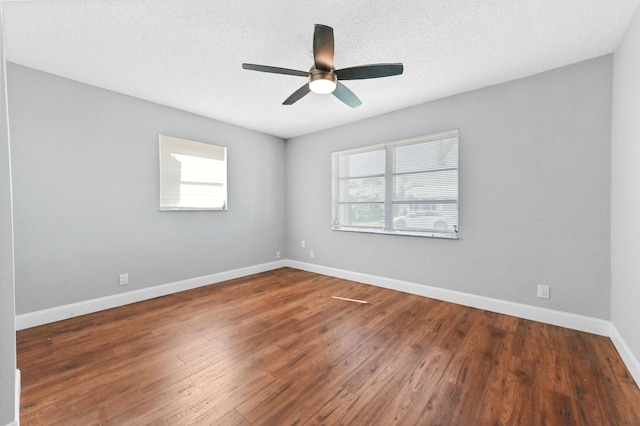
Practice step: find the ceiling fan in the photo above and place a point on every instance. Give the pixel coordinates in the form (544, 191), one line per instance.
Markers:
(323, 78)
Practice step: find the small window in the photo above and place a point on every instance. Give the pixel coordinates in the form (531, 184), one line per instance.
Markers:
(407, 187)
(193, 175)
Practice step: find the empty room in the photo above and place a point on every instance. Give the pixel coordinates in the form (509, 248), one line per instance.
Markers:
(348, 213)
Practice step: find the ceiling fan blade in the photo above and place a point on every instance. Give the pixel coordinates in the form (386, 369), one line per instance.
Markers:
(297, 95)
(275, 70)
(343, 93)
(323, 47)
(369, 71)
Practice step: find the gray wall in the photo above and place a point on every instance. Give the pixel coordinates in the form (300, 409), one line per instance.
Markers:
(85, 164)
(7, 311)
(534, 193)
(625, 189)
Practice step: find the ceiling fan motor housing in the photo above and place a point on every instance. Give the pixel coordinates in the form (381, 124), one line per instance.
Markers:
(322, 81)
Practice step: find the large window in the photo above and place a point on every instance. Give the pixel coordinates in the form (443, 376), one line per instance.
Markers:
(407, 187)
(193, 175)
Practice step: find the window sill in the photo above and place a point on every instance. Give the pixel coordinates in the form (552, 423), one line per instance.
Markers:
(444, 235)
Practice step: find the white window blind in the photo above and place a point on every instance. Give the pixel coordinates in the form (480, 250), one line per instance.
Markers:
(407, 187)
(193, 175)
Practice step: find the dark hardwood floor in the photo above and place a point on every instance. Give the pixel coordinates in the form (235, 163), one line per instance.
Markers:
(277, 349)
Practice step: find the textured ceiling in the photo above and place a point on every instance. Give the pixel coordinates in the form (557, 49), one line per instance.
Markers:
(187, 54)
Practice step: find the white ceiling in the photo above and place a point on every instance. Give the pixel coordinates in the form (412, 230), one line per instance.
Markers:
(187, 54)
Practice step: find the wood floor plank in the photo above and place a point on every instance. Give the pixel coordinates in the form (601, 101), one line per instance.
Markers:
(276, 348)
(410, 401)
(330, 409)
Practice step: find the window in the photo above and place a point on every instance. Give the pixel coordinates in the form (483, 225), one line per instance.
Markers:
(193, 175)
(407, 187)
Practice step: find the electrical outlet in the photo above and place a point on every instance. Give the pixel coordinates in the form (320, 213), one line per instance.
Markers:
(303, 243)
(311, 254)
(543, 291)
(124, 279)
(277, 255)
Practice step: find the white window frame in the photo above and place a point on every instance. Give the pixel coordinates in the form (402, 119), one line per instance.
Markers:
(435, 216)
(193, 175)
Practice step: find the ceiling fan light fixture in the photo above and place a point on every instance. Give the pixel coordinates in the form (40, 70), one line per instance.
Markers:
(322, 82)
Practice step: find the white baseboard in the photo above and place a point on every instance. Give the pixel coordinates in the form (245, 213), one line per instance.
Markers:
(18, 387)
(45, 316)
(632, 363)
(547, 316)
